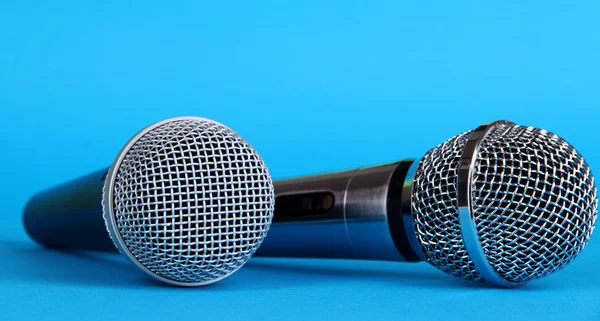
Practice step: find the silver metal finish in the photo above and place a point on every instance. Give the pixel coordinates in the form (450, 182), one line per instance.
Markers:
(367, 213)
(356, 226)
(435, 210)
(407, 216)
(534, 200)
(504, 204)
(188, 201)
(464, 200)
(316, 236)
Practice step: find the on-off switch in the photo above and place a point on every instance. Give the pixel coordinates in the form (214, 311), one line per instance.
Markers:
(303, 205)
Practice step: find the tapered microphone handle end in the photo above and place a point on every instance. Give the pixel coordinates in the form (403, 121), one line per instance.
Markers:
(69, 216)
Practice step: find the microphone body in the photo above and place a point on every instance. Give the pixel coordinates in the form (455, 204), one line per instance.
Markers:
(354, 214)
(187, 200)
(69, 216)
(502, 204)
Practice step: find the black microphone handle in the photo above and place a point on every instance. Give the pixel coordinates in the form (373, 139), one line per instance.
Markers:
(69, 216)
(356, 214)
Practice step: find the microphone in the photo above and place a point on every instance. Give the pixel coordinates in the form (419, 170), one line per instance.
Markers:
(502, 204)
(187, 200)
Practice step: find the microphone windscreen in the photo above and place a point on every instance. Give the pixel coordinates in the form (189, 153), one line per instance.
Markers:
(188, 200)
(533, 204)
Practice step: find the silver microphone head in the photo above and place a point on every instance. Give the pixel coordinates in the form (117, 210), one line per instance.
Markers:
(188, 201)
(503, 204)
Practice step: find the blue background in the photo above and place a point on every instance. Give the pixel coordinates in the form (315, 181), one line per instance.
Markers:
(314, 86)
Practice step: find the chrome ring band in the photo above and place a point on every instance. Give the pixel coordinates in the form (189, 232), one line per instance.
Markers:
(468, 224)
(407, 216)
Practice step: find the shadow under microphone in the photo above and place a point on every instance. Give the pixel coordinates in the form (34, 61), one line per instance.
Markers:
(187, 200)
(502, 204)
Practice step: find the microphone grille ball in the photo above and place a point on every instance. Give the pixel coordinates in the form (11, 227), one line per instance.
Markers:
(188, 200)
(533, 204)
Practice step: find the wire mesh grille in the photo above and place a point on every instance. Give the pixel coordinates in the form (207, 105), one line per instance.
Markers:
(192, 200)
(534, 201)
(534, 204)
(435, 210)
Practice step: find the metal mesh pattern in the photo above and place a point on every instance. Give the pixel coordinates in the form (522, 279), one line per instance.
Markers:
(534, 201)
(435, 210)
(192, 200)
(534, 204)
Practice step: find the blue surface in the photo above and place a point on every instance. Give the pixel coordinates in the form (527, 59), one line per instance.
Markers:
(314, 87)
